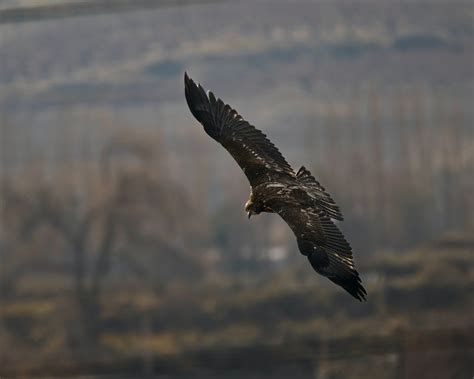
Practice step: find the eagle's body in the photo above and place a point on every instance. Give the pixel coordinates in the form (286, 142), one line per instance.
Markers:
(297, 197)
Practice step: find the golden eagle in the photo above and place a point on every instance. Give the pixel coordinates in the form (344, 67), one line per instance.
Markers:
(298, 198)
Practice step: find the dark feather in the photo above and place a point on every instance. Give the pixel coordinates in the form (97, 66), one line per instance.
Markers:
(324, 200)
(323, 243)
(255, 154)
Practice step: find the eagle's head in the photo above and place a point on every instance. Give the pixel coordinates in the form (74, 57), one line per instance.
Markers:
(252, 208)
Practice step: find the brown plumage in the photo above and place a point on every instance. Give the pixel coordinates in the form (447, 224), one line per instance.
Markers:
(298, 198)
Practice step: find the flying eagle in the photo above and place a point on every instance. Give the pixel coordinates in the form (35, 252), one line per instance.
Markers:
(298, 198)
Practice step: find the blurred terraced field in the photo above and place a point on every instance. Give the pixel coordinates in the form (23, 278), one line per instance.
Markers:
(419, 307)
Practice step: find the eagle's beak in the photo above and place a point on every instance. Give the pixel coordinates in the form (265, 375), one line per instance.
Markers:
(249, 214)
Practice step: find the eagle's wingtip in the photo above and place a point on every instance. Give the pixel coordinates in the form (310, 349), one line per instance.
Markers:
(353, 285)
(362, 293)
(188, 82)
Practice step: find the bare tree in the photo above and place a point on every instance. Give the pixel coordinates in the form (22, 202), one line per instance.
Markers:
(133, 216)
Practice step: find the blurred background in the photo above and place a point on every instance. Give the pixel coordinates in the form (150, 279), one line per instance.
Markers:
(124, 246)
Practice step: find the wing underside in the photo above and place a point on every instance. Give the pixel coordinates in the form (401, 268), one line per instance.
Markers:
(323, 243)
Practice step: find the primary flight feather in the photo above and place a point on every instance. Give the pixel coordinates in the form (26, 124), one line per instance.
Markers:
(297, 197)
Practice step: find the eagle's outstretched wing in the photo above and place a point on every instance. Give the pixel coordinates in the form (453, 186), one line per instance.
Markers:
(256, 155)
(323, 243)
